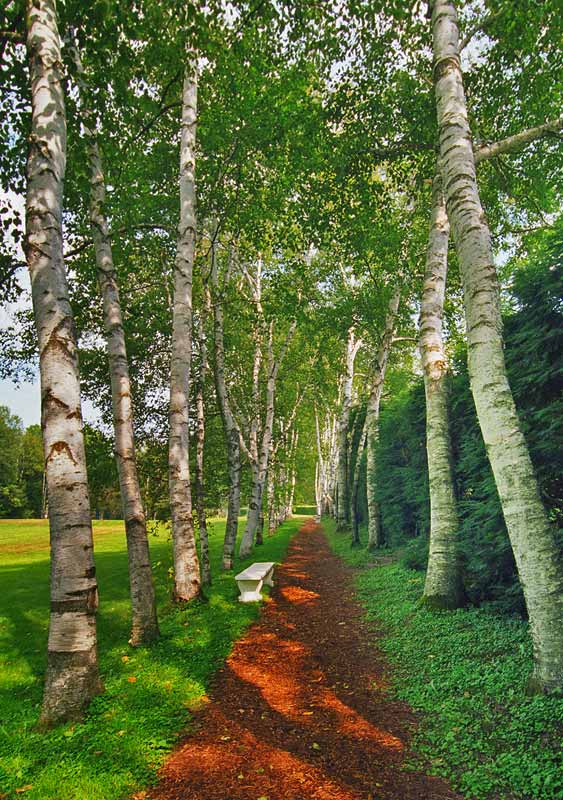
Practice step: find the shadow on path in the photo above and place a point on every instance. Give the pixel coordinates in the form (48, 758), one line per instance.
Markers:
(299, 710)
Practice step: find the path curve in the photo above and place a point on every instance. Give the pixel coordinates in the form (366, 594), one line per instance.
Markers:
(298, 711)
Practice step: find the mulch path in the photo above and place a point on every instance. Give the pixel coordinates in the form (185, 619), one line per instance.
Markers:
(299, 711)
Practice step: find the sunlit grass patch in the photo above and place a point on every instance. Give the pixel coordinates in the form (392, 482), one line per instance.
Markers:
(466, 672)
(148, 691)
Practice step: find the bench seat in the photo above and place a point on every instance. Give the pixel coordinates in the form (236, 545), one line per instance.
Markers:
(251, 580)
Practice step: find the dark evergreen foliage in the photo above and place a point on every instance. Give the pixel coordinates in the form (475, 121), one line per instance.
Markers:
(534, 353)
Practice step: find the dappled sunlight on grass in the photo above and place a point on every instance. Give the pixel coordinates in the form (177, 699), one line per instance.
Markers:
(148, 691)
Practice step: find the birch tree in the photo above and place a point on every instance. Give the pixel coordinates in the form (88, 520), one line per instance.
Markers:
(187, 581)
(144, 626)
(372, 419)
(532, 538)
(353, 346)
(230, 426)
(72, 677)
(442, 588)
(260, 467)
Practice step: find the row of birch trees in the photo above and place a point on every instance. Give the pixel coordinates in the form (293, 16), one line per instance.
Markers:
(257, 208)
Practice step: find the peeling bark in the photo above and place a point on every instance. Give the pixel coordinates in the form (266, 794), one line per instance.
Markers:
(442, 588)
(200, 444)
(187, 581)
(72, 676)
(532, 537)
(230, 427)
(144, 627)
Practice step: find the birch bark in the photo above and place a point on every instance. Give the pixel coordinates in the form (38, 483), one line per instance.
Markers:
(343, 502)
(230, 427)
(187, 581)
(531, 535)
(200, 444)
(375, 538)
(72, 676)
(261, 467)
(144, 626)
(356, 487)
(442, 588)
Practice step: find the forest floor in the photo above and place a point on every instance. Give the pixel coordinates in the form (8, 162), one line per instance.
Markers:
(301, 709)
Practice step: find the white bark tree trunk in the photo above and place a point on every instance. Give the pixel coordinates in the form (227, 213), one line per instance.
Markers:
(442, 588)
(144, 626)
(375, 538)
(532, 537)
(187, 581)
(230, 427)
(261, 467)
(343, 502)
(72, 676)
(200, 444)
(356, 486)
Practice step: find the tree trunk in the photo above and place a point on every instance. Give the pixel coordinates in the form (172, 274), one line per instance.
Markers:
(531, 535)
(375, 538)
(343, 503)
(200, 447)
(260, 470)
(232, 433)
(356, 487)
(187, 582)
(442, 588)
(144, 626)
(72, 676)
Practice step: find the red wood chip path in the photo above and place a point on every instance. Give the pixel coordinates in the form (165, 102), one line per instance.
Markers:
(298, 711)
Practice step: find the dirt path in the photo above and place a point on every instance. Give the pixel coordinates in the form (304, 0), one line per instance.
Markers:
(297, 712)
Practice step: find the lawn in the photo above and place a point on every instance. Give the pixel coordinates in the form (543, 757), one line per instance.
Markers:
(148, 691)
(465, 671)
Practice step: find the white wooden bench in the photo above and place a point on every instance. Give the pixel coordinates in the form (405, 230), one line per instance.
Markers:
(251, 580)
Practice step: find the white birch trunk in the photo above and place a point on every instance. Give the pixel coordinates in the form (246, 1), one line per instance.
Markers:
(375, 538)
(531, 535)
(230, 427)
(260, 469)
(343, 502)
(187, 581)
(356, 486)
(144, 627)
(200, 445)
(72, 677)
(442, 588)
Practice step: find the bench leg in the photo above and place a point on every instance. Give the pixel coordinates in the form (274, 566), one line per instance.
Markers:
(269, 579)
(250, 591)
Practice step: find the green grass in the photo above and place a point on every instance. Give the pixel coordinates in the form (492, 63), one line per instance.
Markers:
(131, 727)
(466, 672)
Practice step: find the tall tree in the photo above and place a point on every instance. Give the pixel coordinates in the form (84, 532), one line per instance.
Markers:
(353, 345)
(72, 677)
(144, 626)
(372, 417)
(230, 426)
(532, 537)
(187, 580)
(442, 588)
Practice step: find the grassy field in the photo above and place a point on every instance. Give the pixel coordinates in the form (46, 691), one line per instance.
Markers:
(466, 672)
(148, 691)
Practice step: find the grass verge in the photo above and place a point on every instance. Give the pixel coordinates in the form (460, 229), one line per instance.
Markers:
(149, 692)
(466, 672)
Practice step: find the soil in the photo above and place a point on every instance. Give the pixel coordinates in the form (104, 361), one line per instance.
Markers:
(301, 710)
